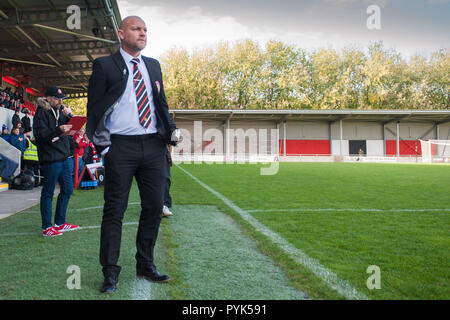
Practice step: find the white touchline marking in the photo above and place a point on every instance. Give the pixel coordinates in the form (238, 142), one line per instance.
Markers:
(84, 209)
(330, 278)
(347, 209)
(98, 227)
(141, 289)
(100, 207)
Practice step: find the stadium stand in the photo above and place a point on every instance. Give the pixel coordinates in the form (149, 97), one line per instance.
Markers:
(40, 48)
(309, 135)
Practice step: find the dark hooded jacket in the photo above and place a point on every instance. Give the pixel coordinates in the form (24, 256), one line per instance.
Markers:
(51, 144)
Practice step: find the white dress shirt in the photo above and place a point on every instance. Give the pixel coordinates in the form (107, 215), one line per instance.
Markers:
(125, 119)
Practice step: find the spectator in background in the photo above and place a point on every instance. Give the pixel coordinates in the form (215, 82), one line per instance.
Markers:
(26, 121)
(7, 102)
(31, 159)
(2, 99)
(82, 144)
(19, 125)
(16, 118)
(18, 140)
(5, 135)
(90, 154)
(14, 105)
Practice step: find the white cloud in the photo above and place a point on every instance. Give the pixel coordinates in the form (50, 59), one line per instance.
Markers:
(381, 3)
(194, 28)
(438, 1)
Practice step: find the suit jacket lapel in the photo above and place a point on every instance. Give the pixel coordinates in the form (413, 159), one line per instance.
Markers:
(153, 77)
(120, 63)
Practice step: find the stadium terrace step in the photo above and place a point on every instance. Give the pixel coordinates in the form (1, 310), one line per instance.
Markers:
(4, 186)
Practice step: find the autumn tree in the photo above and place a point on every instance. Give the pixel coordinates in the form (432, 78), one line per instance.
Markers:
(278, 76)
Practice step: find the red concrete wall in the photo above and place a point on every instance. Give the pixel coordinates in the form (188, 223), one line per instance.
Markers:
(407, 147)
(305, 147)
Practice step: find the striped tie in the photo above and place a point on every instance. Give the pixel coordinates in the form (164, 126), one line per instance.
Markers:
(141, 95)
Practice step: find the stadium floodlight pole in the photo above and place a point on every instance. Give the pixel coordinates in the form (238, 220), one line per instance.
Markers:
(28, 62)
(74, 33)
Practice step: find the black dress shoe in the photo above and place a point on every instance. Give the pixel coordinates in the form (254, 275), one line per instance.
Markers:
(109, 285)
(152, 275)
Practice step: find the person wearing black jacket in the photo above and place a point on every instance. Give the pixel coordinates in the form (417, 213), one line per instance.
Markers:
(26, 121)
(49, 127)
(129, 123)
(16, 118)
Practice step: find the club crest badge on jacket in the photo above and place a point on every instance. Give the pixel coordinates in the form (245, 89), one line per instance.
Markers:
(158, 86)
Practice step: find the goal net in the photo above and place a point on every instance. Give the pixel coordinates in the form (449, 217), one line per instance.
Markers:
(435, 151)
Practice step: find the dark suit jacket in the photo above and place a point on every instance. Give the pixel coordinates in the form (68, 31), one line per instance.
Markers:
(107, 84)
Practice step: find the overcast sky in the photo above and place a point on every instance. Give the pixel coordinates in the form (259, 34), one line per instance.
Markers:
(408, 26)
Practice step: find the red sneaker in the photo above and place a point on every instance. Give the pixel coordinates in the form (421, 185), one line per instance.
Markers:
(51, 232)
(66, 227)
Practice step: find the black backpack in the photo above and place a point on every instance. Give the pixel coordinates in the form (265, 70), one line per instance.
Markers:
(24, 181)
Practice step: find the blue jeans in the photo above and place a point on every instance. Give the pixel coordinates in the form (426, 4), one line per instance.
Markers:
(80, 166)
(61, 172)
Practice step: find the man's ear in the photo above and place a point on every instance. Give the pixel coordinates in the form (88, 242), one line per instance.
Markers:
(120, 33)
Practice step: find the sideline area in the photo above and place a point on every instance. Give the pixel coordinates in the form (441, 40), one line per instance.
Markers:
(13, 201)
(214, 259)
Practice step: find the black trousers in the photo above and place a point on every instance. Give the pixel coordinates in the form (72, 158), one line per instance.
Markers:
(167, 196)
(142, 157)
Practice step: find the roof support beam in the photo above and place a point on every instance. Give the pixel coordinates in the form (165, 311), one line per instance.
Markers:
(81, 35)
(28, 18)
(29, 62)
(71, 66)
(339, 119)
(398, 119)
(92, 46)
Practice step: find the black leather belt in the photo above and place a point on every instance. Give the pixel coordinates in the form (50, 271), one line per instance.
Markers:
(141, 137)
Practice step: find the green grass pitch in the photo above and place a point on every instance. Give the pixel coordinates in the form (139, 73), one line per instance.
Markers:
(347, 216)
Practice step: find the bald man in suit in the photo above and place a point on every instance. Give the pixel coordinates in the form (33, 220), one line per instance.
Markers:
(129, 123)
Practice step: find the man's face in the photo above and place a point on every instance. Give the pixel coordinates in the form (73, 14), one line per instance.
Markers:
(54, 102)
(133, 35)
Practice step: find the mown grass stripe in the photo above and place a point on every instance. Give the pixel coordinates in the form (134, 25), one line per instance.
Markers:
(218, 261)
(330, 278)
(346, 210)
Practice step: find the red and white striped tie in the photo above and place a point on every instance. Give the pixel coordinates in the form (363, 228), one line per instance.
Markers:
(141, 95)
